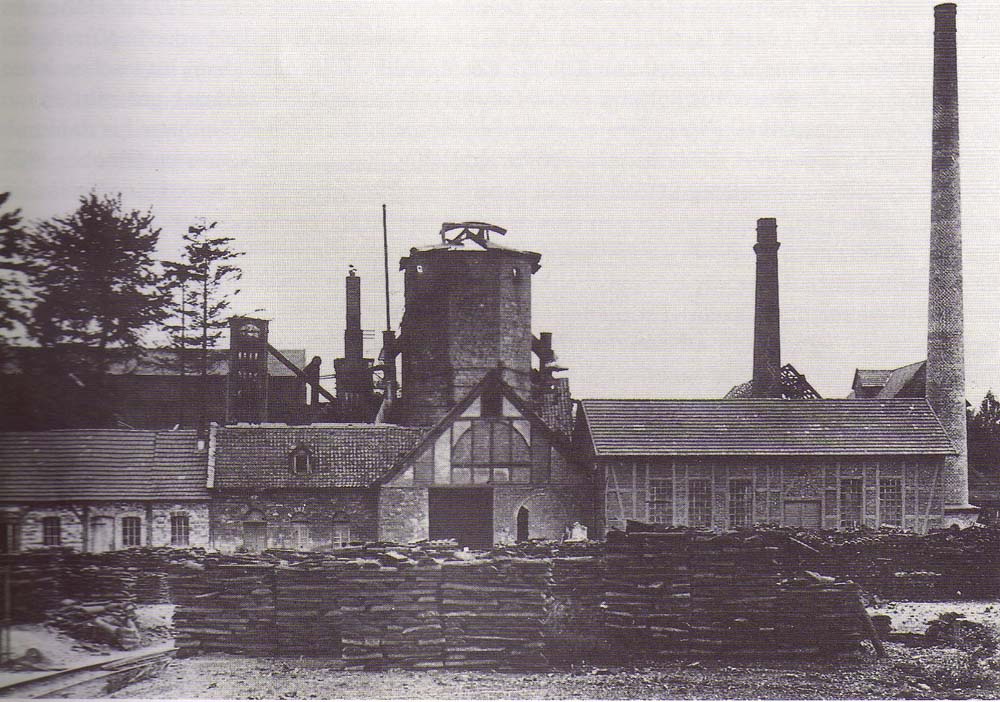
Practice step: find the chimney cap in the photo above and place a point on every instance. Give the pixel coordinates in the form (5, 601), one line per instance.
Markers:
(767, 230)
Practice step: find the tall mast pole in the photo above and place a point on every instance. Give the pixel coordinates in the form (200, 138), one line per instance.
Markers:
(385, 263)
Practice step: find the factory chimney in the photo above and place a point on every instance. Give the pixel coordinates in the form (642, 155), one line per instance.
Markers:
(353, 371)
(945, 345)
(766, 327)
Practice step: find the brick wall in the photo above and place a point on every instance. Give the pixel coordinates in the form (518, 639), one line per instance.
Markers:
(297, 520)
(403, 514)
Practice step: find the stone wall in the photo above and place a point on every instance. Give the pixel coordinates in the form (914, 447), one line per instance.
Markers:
(303, 520)
(97, 526)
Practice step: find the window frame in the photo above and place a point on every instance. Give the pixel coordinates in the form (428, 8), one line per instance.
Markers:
(300, 453)
(896, 486)
(175, 522)
(660, 499)
(745, 495)
(857, 489)
(51, 531)
(692, 505)
(131, 531)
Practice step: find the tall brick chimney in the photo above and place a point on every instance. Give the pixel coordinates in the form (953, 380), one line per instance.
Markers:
(945, 344)
(766, 323)
(353, 371)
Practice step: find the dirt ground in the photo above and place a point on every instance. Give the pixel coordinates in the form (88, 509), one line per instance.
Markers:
(938, 673)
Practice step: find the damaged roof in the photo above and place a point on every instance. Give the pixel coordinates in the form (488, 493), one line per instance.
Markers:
(341, 455)
(101, 464)
(763, 427)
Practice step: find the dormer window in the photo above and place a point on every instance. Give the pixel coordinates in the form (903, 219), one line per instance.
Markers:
(300, 460)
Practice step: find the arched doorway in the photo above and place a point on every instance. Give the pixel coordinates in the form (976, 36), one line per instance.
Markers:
(522, 524)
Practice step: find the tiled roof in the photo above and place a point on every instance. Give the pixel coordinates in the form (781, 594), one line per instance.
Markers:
(871, 378)
(101, 464)
(908, 381)
(763, 427)
(164, 362)
(341, 455)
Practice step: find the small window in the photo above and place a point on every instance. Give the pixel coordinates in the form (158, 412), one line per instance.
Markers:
(301, 461)
(420, 268)
(890, 497)
(131, 531)
(180, 530)
(661, 500)
(51, 531)
(700, 503)
(740, 504)
(9, 535)
(850, 503)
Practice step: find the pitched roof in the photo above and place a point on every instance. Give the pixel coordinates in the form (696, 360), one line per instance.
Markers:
(763, 427)
(871, 378)
(101, 464)
(341, 455)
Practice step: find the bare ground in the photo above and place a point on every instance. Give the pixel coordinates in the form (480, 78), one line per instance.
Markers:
(907, 673)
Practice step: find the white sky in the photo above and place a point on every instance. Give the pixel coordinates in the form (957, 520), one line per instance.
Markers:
(633, 145)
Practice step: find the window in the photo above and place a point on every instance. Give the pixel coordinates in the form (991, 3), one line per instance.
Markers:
(341, 535)
(51, 531)
(180, 530)
(301, 460)
(490, 452)
(850, 503)
(890, 498)
(700, 503)
(740, 504)
(9, 535)
(661, 501)
(131, 531)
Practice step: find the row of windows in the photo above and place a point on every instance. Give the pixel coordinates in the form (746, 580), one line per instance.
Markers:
(131, 531)
(740, 502)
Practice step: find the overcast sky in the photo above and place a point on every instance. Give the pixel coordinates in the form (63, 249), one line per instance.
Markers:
(634, 145)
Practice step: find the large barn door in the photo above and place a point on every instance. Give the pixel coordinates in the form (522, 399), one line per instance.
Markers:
(463, 514)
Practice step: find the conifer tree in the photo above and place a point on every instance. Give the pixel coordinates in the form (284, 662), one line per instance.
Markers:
(96, 282)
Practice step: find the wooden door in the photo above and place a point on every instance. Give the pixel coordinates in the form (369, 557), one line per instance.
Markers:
(102, 534)
(255, 536)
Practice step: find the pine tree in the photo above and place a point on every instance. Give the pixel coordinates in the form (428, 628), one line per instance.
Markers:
(15, 296)
(96, 282)
(203, 291)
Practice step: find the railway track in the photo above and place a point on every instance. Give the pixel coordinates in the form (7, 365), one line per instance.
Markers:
(93, 679)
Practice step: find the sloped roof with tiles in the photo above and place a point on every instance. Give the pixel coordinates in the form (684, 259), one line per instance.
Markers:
(101, 464)
(763, 427)
(340, 455)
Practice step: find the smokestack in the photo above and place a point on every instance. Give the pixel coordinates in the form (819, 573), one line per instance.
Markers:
(353, 336)
(766, 325)
(945, 344)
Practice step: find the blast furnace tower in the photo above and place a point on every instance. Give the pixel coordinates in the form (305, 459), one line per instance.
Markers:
(468, 311)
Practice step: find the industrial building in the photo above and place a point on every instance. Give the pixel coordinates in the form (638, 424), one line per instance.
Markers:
(478, 441)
